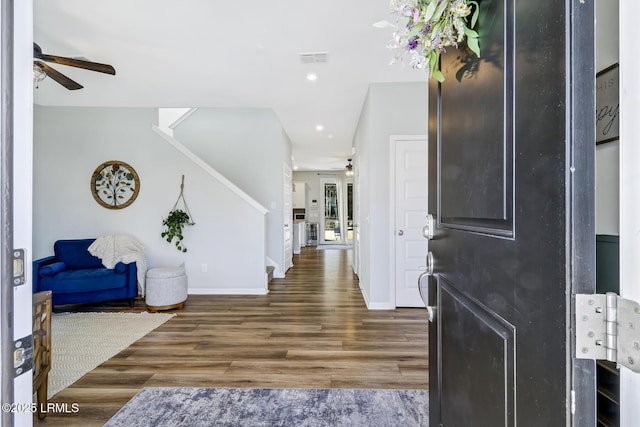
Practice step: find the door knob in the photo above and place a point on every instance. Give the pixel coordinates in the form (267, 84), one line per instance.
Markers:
(400, 232)
(424, 294)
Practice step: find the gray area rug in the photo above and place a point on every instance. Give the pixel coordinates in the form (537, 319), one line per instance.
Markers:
(251, 407)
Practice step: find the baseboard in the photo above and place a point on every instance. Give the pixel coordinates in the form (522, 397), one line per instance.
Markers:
(375, 305)
(380, 306)
(228, 291)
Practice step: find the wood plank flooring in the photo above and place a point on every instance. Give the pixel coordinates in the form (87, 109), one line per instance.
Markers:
(312, 330)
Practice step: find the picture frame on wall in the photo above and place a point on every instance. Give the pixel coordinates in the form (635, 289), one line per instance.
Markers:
(607, 104)
(115, 184)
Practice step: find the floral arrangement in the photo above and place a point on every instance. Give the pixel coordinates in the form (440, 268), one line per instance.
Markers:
(431, 26)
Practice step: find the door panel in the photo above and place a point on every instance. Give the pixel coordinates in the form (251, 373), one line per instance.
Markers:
(409, 157)
(481, 354)
(507, 168)
(477, 143)
(469, 161)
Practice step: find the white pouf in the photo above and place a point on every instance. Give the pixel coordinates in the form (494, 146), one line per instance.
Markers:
(166, 288)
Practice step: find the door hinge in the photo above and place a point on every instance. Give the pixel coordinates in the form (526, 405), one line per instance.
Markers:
(608, 327)
(22, 355)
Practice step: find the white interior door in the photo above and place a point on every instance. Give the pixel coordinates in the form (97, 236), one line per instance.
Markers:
(629, 191)
(410, 171)
(287, 212)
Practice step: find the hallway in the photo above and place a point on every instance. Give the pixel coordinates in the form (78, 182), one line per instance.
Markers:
(312, 330)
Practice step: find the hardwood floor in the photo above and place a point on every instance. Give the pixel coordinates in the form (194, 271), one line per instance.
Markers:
(312, 330)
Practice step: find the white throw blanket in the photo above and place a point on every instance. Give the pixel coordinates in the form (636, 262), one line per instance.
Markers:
(112, 249)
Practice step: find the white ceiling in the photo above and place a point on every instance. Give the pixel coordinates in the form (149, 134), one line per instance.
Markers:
(213, 53)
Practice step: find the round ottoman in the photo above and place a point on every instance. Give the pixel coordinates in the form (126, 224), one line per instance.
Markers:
(166, 288)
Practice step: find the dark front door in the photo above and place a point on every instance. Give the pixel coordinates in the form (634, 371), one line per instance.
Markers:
(511, 174)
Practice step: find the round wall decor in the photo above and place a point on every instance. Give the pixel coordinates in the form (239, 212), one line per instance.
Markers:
(115, 184)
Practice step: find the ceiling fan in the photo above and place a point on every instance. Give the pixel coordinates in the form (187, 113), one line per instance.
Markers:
(41, 70)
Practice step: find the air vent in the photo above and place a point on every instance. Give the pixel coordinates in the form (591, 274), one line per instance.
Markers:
(314, 57)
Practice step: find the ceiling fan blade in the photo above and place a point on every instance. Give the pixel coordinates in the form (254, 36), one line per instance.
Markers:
(58, 76)
(78, 63)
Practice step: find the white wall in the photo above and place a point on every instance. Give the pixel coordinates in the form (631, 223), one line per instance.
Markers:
(286, 149)
(362, 144)
(389, 109)
(607, 43)
(607, 154)
(248, 146)
(630, 194)
(608, 188)
(69, 143)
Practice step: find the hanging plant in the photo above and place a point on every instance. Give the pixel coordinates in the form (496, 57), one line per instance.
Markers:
(176, 221)
(174, 224)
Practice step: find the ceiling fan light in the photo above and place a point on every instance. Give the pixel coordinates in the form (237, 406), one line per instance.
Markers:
(38, 73)
(349, 168)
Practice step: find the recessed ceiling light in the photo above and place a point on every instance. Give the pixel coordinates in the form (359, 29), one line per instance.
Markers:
(295, 168)
(319, 128)
(312, 77)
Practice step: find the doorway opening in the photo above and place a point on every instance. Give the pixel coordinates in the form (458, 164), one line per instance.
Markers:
(336, 224)
(331, 222)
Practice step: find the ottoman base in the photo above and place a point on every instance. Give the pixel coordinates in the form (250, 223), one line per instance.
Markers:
(154, 308)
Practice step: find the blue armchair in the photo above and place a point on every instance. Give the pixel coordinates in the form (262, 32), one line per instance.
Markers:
(75, 276)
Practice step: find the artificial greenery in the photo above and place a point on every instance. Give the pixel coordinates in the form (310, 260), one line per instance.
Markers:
(425, 28)
(174, 223)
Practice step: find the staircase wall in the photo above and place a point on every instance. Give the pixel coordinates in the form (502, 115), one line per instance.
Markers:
(248, 146)
(70, 142)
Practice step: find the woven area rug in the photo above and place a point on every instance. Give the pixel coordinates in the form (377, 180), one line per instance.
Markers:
(80, 342)
(253, 407)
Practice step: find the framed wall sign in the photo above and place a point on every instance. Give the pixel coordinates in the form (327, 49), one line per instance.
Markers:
(115, 184)
(607, 105)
